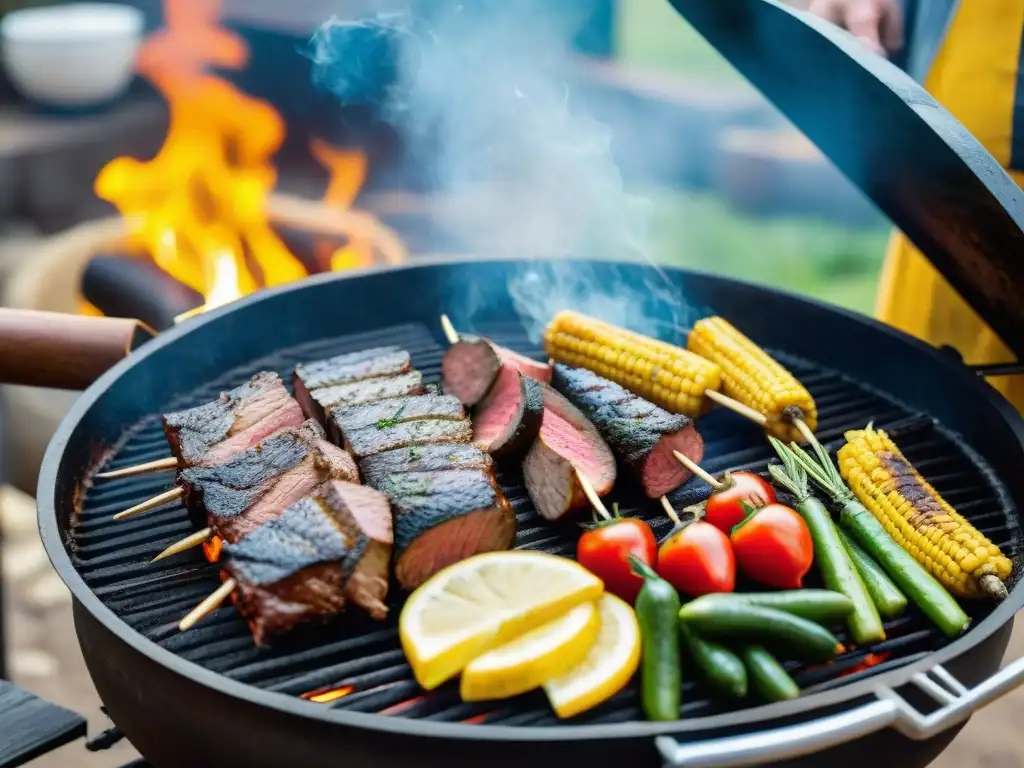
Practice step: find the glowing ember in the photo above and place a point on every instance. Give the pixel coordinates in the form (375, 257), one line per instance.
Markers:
(401, 706)
(477, 719)
(198, 208)
(212, 548)
(869, 661)
(323, 696)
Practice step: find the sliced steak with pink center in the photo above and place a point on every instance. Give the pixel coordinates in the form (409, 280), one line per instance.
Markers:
(423, 458)
(568, 443)
(640, 433)
(366, 391)
(469, 369)
(236, 420)
(530, 368)
(256, 485)
(443, 517)
(508, 419)
(324, 550)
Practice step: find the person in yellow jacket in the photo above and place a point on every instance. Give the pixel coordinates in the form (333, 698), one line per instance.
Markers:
(968, 55)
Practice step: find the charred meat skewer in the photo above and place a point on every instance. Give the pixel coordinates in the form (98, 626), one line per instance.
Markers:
(236, 420)
(321, 552)
(641, 434)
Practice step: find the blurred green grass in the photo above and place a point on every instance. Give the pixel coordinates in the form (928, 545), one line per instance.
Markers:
(831, 262)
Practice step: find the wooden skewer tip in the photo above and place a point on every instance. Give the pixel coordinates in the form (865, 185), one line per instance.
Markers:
(697, 470)
(159, 465)
(592, 497)
(449, 330)
(209, 605)
(197, 538)
(804, 431)
(736, 406)
(667, 506)
(157, 501)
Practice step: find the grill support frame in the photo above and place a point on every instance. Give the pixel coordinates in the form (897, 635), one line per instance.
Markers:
(275, 318)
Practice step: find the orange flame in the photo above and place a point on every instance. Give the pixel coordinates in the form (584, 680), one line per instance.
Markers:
(199, 206)
(212, 548)
(323, 696)
(347, 171)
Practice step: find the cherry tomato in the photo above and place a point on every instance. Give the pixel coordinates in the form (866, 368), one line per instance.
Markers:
(698, 560)
(725, 508)
(605, 548)
(773, 546)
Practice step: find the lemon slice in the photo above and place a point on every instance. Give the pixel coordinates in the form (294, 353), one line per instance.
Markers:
(485, 601)
(608, 666)
(532, 659)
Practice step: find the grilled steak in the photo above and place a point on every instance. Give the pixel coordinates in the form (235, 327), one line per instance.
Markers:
(378, 362)
(368, 390)
(469, 369)
(423, 458)
(508, 419)
(235, 421)
(371, 440)
(392, 411)
(254, 486)
(304, 565)
(568, 443)
(530, 368)
(443, 517)
(640, 433)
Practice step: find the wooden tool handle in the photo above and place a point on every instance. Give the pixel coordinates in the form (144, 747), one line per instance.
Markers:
(50, 349)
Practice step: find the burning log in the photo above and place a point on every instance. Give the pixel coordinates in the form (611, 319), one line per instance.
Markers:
(121, 286)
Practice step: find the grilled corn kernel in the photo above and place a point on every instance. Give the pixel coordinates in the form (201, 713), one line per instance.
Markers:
(663, 373)
(918, 518)
(752, 377)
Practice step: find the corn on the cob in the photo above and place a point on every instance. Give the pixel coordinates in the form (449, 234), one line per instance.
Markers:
(754, 378)
(663, 373)
(918, 518)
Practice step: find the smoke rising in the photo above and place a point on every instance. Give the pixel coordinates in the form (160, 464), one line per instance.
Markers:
(481, 96)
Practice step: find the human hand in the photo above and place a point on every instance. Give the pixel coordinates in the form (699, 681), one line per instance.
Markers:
(877, 23)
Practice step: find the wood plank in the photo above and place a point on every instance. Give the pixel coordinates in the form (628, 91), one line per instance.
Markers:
(30, 727)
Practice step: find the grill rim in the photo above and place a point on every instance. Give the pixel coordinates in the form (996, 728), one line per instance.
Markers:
(752, 718)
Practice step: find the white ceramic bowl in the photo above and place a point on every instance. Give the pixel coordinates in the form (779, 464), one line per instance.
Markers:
(69, 56)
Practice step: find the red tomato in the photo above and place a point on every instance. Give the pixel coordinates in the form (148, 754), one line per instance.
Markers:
(725, 508)
(604, 550)
(698, 560)
(773, 546)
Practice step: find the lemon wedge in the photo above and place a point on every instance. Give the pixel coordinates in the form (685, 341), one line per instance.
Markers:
(483, 602)
(532, 659)
(611, 662)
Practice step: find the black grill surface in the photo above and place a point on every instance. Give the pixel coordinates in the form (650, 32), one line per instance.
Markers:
(357, 653)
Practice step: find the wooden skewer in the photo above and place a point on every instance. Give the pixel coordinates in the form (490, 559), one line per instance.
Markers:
(197, 538)
(209, 605)
(735, 405)
(667, 506)
(696, 469)
(159, 465)
(449, 330)
(156, 501)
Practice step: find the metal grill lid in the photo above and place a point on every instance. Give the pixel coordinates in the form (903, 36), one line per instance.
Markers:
(905, 152)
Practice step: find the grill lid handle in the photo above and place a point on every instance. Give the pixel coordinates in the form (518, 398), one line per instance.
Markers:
(51, 349)
(888, 710)
(898, 145)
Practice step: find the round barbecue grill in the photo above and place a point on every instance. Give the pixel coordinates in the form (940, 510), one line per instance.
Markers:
(208, 697)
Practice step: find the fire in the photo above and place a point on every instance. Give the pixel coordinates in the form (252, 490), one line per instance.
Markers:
(199, 207)
(869, 661)
(212, 548)
(347, 171)
(323, 696)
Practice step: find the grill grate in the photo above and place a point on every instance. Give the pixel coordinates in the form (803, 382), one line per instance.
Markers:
(113, 557)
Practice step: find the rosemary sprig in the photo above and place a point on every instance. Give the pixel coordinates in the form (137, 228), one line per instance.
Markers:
(822, 471)
(791, 475)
